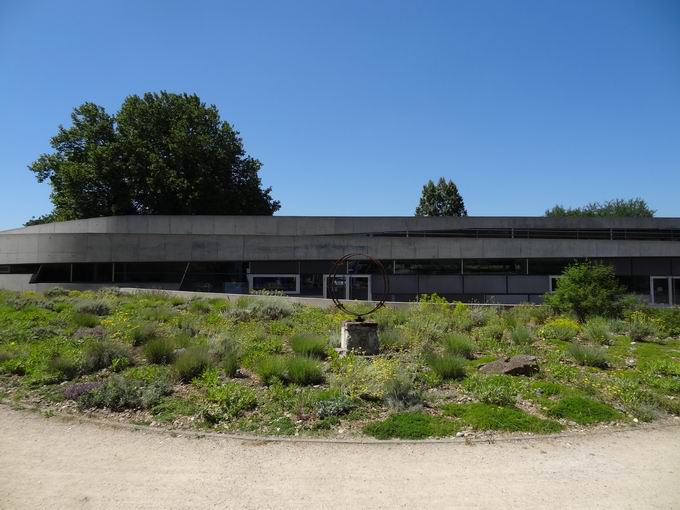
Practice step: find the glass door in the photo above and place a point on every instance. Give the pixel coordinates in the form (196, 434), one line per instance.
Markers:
(359, 288)
(676, 291)
(661, 290)
(356, 287)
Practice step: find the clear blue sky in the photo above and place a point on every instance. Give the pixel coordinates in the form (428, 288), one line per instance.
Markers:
(352, 106)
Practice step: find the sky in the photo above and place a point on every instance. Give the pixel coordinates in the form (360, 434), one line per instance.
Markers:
(352, 106)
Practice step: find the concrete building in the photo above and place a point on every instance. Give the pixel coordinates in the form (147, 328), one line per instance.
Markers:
(476, 259)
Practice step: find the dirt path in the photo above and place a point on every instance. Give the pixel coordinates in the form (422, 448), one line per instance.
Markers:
(52, 463)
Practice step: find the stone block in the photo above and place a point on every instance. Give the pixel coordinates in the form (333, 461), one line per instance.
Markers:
(359, 337)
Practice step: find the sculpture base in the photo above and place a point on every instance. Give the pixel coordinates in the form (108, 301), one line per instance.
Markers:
(360, 337)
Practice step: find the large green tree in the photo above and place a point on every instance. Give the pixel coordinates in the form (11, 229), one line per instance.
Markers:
(441, 199)
(160, 154)
(635, 207)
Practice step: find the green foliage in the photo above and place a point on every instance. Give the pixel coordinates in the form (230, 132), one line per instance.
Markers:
(334, 406)
(582, 410)
(560, 329)
(92, 306)
(199, 306)
(303, 371)
(85, 320)
(99, 354)
(271, 369)
(160, 351)
(401, 393)
(441, 199)
(499, 390)
(492, 417)
(521, 335)
(230, 356)
(55, 292)
(309, 345)
(596, 330)
(589, 356)
(138, 161)
(261, 308)
(411, 426)
(587, 290)
(143, 333)
(632, 208)
(667, 318)
(192, 361)
(393, 340)
(459, 345)
(118, 393)
(227, 402)
(642, 327)
(64, 366)
(447, 366)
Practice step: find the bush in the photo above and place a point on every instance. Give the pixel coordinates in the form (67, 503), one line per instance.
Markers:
(144, 332)
(75, 391)
(271, 369)
(199, 306)
(393, 340)
(118, 393)
(303, 371)
(334, 406)
(588, 356)
(93, 306)
(262, 308)
(641, 328)
(227, 401)
(459, 345)
(521, 335)
(309, 345)
(160, 351)
(191, 362)
(103, 353)
(596, 330)
(587, 289)
(583, 411)
(668, 318)
(54, 292)
(230, 356)
(560, 329)
(447, 366)
(85, 320)
(63, 366)
(411, 426)
(499, 390)
(491, 417)
(400, 392)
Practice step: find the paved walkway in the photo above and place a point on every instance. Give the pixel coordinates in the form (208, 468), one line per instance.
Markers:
(53, 463)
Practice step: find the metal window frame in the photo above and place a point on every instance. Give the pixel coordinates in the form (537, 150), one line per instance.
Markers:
(344, 277)
(5, 269)
(550, 281)
(259, 275)
(671, 296)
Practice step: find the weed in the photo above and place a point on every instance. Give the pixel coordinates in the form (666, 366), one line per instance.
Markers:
(492, 417)
(583, 411)
(589, 356)
(411, 426)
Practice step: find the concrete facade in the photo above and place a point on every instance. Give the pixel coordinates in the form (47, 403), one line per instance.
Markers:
(635, 247)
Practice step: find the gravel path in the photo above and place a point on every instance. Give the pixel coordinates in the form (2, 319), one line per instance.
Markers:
(53, 463)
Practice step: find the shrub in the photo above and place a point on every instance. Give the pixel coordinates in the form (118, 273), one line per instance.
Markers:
(144, 332)
(587, 289)
(303, 371)
(459, 345)
(447, 366)
(75, 391)
(85, 320)
(230, 356)
(596, 330)
(118, 393)
(54, 292)
(400, 392)
(93, 306)
(227, 401)
(271, 369)
(583, 411)
(191, 362)
(309, 345)
(668, 319)
(491, 417)
(262, 308)
(641, 328)
(334, 406)
(588, 356)
(393, 340)
(160, 351)
(102, 354)
(199, 306)
(63, 366)
(411, 426)
(499, 390)
(560, 329)
(521, 335)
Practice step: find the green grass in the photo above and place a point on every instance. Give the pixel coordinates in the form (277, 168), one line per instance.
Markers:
(411, 426)
(509, 419)
(303, 371)
(271, 369)
(589, 356)
(583, 411)
(192, 362)
(447, 366)
(459, 345)
(160, 351)
(309, 345)
(85, 320)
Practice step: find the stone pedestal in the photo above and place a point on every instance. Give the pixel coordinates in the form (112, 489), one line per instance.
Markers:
(359, 337)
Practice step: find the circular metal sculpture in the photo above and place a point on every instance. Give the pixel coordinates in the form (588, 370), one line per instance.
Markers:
(333, 276)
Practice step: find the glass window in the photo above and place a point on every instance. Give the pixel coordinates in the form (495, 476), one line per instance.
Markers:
(548, 266)
(494, 266)
(54, 273)
(284, 283)
(435, 266)
(311, 284)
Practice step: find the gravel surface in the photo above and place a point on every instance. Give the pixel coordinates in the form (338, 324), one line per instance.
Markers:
(56, 463)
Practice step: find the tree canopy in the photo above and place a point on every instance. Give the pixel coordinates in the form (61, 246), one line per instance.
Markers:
(441, 199)
(162, 153)
(635, 207)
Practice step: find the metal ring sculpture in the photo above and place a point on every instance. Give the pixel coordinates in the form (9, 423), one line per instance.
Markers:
(333, 275)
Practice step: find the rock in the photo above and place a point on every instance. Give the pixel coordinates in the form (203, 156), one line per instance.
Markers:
(631, 362)
(360, 337)
(517, 365)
